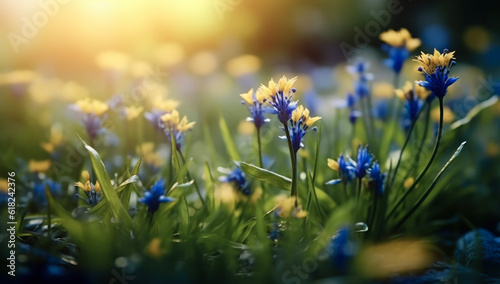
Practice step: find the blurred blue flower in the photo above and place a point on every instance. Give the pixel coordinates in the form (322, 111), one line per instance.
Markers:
(361, 86)
(398, 45)
(154, 116)
(341, 250)
(377, 179)
(412, 104)
(238, 178)
(155, 196)
(39, 190)
(279, 97)
(256, 108)
(436, 69)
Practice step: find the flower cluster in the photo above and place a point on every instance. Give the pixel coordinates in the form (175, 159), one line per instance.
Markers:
(93, 191)
(174, 126)
(301, 123)
(155, 196)
(257, 110)
(349, 169)
(361, 86)
(436, 69)
(398, 44)
(279, 97)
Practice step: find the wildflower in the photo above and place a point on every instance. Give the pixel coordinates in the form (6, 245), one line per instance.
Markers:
(279, 97)
(286, 207)
(363, 162)
(361, 86)
(275, 232)
(56, 139)
(341, 250)
(160, 108)
(155, 196)
(345, 168)
(173, 125)
(255, 107)
(436, 69)
(39, 190)
(92, 111)
(448, 115)
(377, 179)
(93, 191)
(398, 44)
(39, 166)
(238, 179)
(413, 104)
(300, 122)
(132, 112)
(353, 113)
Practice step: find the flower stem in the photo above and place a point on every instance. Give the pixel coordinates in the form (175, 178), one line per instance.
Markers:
(436, 146)
(194, 181)
(293, 158)
(261, 164)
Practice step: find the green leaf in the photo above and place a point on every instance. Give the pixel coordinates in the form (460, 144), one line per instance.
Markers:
(266, 176)
(183, 171)
(228, 141)
(474, 112)
(209, 186)
(119, 212)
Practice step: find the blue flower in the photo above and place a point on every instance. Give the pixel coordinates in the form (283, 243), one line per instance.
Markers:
(341, 250)
(300, 124)
(93, 111)
(39, 190)
(256, 108)
(361, 86)
(238, 178)
(363, 162)
(279, 97)
(377, 179)
(93, 125)
(346, 170)
(155, 196)
(412, 103)
(398, 45)
(436, 69)
(154, 116)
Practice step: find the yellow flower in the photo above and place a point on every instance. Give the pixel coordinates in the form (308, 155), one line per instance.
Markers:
(430, 62)
(94, 106)
(17, 77)
(248, 97)
(165, 105)
(286, 208)
(284, 85)
(150, 157)
(112, 60)
(39, 166)
(4, 185)
(154, 248)
(243, 65)
(87, 186)
(301, 112)
(132, 112)
(401, 38)
(404, 92)
(56, 138)
(448, 115)
(173, 122)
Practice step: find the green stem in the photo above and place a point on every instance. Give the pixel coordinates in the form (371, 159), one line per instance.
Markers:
(293, 158)
(436, 147)
(359, 188)
(194, 181)
(261, 164)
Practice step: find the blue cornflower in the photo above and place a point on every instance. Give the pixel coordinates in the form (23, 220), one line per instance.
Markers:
(412, 104)
(345, 168)
(279, 97)
(172, 124)
(93, 125)
(39, 190)
(257, 110)
(300, 124)
(436, 69)
(93, 191)
(363, 162)
(351, 104)
(341, 250)
(155, 196)
(238, 178)
(154, 116)
(398, 45)
(361, 86)
(377, 179)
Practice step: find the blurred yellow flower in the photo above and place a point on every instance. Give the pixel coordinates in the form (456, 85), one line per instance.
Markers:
(286, 207)
(246, 127)
(39, 166)
(42, 90)
(17, 77)
(243, 65)
(132, 112)
(408, 182)
(173, 122)
(203, 63)
(94, 106)
(72, 91)
(112, 60)
(448, 115)
(55, 140)
(401, 38)
(154, 248)
(332, 164)
(150, 157)
(140, 69)
(170, 54)
(4, 185)
(165, 104)
(382, 90)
